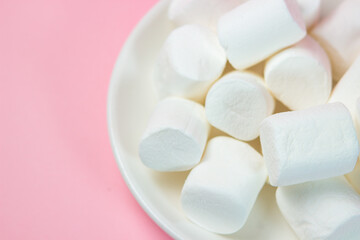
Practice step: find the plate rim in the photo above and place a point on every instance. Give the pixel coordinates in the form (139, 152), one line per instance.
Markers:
(153, 12)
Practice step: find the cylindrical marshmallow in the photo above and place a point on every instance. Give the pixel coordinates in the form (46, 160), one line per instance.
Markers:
(258, 28)
(220, 192)
(175, 137)
(326, 209)
(339, 34)
(300, 76)
(203, 12)
(347, 90)
(310, 10)
(189, 62)
(237, 104)
(306, 145)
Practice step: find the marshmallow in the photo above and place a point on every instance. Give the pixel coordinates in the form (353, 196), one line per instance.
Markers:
(220, 192)
(339, 34)
(258, 28)
(300, 76)
(310, 10)
(175, 137)
(237, 104)
(190, 60)
(306, 145)
(347, 90)
(203, 12)
(326, 209)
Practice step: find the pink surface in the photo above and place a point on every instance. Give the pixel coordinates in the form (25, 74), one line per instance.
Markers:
(58, 177)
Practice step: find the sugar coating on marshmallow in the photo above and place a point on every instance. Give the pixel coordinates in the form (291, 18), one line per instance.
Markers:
(347, 90)
(202, 12)
(306, 145)
(325, 209)
(237, 104)
(189, 62)
(175, 137)
(258, 28)
(300, 76)
(339, 34)
(220, 192)
(310, 10)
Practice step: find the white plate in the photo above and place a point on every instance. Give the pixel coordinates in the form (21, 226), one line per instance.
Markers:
(130, 102)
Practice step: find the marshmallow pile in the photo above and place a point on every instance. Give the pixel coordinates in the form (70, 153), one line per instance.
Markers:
(310, 64)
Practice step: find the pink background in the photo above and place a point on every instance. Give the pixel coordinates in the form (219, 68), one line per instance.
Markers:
(58, 176)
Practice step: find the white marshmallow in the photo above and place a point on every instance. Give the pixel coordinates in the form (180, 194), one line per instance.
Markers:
(220, 192)
(203, 12)
(175, 137)
(310, 10)
(339, 34)
(258, 28)
(347, 90)
(237, 104)
(190, 61)
(306, 145)
(326, 209)
(300, 76)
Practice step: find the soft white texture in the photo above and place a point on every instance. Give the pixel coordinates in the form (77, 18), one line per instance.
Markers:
(237, 104)
(306, 145)
(339, 34)
(203, 12)
(300, 76)
(258, 28)
(175, 137)
(310, 10)
(347, 90)
(220, 192)
(326, 209)
(189, 62)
